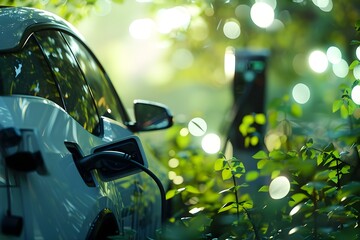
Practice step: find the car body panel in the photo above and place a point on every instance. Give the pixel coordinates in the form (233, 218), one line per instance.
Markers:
(14, 32)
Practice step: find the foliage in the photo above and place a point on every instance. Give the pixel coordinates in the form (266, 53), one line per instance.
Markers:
(323, 201)
(71, 10)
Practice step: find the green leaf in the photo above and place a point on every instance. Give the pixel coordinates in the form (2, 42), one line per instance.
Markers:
(264, 188)
(226, 174)
(260, 118)
(336, 105)
(171, 193)
(311, 186)
(219, 164)
(354, 64)
(192, 189)
(254, 140)
(251, 176)
(345, 169)
(329, 148)
(319, 159)
(296, 110)
(297, 198)
(260, 155)
(277, 155)
(352, 188)
(275, 174)
(310, 142)
(344, 113)
(262, 163)
(248, 119)
(227, 206)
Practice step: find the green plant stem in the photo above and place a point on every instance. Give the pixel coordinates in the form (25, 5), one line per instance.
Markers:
(338, 185)
(235, 192)
(315, 215)
(257, 237)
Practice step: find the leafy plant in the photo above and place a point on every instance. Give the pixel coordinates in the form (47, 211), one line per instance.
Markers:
(322, 198)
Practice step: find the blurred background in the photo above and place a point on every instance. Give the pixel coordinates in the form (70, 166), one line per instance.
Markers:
(182, 53)
(189, 56)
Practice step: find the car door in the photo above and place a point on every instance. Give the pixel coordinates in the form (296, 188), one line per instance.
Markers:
(135, 198)
(141, 196)
(100, 121)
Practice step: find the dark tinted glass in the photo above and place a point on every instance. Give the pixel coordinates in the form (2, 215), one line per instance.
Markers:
(76, 93)
(26, 72)
(106, 99)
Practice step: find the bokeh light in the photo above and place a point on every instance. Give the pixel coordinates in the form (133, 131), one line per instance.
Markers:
(356, 72)
(295, 210)
(197, 126)
(173, 19)
(341, 69)
(355, 94)
(279, 187)
(262, 14)
(171, 175)
(232, 29)
(173, 162)
(142, 28)
(178, 180)
(358, 52)
(318, 61)
(334, 55)
(301, 93)
(272, 141)
(182, 58)
(196, 210)
(211, 143)
(184, 132)
(229, 63)
(324, 5)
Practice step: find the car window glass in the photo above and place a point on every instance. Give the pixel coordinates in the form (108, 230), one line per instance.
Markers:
(78, 101)
(105, 96)
(26, 72)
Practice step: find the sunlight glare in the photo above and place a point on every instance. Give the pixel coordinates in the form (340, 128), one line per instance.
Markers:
(141, 29)
(358, 52)
(184, 132)
(262, 14)
(196, 210)
(272, 142)
(173, 162)
(211, 143)
(334, 55)
(355, 94)
(229, 63)
(172, 19)
(341, 69)
(197, 127)
(318, 61)
(232, 29)
(178, 180)
(171, 175)
(324, 5)
(356, 72)
(279, 187)
(301, 93)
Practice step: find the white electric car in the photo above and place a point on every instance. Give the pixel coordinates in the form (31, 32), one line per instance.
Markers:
(70, 164)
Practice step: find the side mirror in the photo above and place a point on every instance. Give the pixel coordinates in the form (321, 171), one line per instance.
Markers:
(151, 116)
